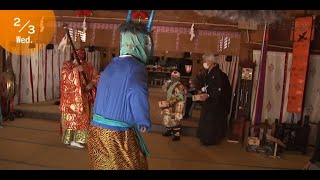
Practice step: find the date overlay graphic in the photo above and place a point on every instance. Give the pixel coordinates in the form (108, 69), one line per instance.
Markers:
(22, 31)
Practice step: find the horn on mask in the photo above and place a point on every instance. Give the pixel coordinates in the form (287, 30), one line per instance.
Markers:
(149, 25)
(129, 16)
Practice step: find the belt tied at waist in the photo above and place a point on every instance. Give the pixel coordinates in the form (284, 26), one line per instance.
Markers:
(101, 120)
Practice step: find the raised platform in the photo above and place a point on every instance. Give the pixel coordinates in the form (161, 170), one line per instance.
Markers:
(49, 111)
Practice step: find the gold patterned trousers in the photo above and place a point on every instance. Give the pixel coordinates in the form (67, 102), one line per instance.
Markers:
(115, 150)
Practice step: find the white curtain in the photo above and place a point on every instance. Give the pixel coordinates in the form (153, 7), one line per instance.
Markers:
(26, 90)
(231, 69)
(94, 59)
(272, 98)
(87, 54)
(273, 103)
(286, 116)
(273, 86)
(35, 72)
(90, 58)
(49, 74)
(97, 56)
(41, 73)
(257, 60)
(38, 74)
(312, 97)
(16, 69)
(56, 72)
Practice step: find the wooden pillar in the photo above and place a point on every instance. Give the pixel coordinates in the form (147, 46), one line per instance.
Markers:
(244, 50)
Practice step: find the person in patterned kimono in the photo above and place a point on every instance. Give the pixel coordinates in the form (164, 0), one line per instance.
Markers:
(76, 98)
(176, 100)
(121, 110)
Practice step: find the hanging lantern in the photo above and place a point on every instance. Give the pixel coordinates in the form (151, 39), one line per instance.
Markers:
(188, 68)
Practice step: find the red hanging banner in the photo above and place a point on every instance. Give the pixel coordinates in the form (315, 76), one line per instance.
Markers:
(301, 45)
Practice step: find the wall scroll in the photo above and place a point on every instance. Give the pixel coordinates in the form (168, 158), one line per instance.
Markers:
(301, 45)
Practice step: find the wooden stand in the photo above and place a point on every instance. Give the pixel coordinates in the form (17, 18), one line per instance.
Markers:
(276, 142)
(264, 126)
(295, 136)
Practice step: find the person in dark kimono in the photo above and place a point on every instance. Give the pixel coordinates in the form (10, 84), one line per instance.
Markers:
(212, 124)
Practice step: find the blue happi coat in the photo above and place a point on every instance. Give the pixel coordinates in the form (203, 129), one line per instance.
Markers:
(122, 95)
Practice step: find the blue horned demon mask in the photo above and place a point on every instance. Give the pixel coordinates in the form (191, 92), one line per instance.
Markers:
(136, 38)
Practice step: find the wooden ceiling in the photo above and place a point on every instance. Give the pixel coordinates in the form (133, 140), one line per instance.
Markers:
(180, 18)
(188, 17)
(164, 15)
(175, 15)
(183, 18)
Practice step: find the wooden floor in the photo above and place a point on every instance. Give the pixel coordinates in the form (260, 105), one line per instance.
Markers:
(34, 144)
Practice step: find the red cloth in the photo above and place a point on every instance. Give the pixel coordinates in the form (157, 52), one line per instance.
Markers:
(137, 14)
(84, 13)
(74, 101)
(300, 58)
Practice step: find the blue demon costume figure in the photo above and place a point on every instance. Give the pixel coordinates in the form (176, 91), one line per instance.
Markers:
(121, 109)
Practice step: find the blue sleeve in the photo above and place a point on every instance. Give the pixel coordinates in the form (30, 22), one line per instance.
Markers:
(138, 97)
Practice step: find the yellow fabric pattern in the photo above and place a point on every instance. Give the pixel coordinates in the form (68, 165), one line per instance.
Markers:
(74, 135)
(115, 150)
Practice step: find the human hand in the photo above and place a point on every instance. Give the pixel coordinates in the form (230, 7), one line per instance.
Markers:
(80, 69)
(143, 129)
(204, 96)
